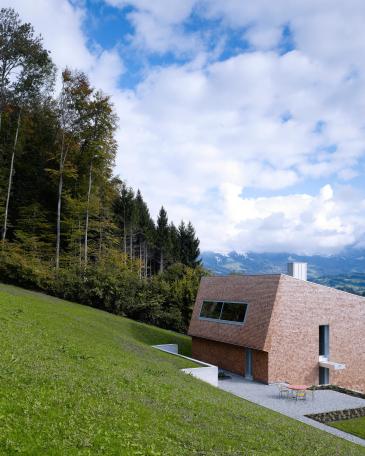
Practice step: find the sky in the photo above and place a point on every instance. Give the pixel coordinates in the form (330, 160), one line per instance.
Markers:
(245, 117)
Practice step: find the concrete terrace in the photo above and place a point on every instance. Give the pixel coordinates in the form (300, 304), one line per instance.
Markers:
(268, 396)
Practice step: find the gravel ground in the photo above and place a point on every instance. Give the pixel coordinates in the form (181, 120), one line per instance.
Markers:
(268, 396)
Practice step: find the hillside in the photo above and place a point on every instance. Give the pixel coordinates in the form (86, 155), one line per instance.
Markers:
(76, 380)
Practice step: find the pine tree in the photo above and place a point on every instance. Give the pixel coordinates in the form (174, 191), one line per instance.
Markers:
(189, 245)
(162, 237)
(122, 208)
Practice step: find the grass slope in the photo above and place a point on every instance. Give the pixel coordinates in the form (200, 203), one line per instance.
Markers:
(78, 381)
(355, 426)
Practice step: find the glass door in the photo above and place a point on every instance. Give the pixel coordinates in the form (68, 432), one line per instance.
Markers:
(248, 366)
(324, 350)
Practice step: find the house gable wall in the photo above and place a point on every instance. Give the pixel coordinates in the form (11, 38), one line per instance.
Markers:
(293, 336)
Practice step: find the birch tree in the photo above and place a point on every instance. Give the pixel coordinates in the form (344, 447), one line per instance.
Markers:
(99, 148)
(70, 114)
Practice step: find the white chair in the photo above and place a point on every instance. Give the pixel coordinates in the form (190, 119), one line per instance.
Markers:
(283, 390)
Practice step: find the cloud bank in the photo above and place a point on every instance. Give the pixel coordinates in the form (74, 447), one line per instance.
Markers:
(247, 118)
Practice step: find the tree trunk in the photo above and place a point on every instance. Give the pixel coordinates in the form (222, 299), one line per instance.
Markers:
(131, 245)
(161, 262)
(60, 185)
(10, 180)
(59, 203)
(124, 233)
(100, 236)
(80, 245)
(87, 217)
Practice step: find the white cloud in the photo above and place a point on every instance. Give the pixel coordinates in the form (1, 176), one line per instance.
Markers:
(262, 37)
(208, 128)
(197, 137)
(302, 223)
(158, 23)
(169, 12)
(60, 25)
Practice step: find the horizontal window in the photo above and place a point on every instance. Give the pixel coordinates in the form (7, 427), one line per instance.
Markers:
(211, 309)
(231, 312)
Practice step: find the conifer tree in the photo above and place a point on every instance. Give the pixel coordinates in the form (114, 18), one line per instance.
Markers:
(174, 244)
(189, 245)
(162, 237)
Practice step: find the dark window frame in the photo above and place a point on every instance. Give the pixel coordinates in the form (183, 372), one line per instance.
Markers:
(324, 340)
(219, 320)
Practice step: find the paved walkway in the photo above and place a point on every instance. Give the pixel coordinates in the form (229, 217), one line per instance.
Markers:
(268, 396)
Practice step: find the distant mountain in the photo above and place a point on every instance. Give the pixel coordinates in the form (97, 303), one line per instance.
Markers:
(345, 270)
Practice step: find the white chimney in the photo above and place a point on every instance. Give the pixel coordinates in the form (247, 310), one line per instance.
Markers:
(298, 270)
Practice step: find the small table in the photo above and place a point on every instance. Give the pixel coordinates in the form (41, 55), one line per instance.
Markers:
(298, 388)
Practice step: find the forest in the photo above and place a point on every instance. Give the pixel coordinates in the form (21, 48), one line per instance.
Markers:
(69, 226)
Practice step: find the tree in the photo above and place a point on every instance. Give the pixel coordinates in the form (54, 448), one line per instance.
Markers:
(66, 207)
(174, 244)
(25, 69)
(70, 128)
(98, 146)
(189, 245)
(123, 207)
(142, 233)
(162, 236)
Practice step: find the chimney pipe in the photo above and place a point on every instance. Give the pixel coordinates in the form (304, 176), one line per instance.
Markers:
(298, 270)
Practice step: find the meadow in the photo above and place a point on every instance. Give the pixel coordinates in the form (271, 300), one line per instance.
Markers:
(79, 381)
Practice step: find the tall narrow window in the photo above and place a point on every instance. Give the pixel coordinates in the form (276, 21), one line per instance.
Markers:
(324, 376)
(324, 350)
(248, 367)
(324, 333)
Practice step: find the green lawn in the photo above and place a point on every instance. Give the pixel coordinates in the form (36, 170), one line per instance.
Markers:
(78, 381)
(355, 426)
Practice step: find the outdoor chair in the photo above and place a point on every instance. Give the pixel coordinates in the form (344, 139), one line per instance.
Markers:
(300, 394)
(311, 391)
(283, 390)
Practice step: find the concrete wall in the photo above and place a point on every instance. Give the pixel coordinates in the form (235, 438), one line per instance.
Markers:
(207, 372)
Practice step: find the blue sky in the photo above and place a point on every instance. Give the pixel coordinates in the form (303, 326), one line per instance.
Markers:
(245, 117)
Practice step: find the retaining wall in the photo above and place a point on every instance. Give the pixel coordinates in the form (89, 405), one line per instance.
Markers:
(207, 372)
(338, 415)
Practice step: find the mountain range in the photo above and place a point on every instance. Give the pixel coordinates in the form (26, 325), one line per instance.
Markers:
(345, 270)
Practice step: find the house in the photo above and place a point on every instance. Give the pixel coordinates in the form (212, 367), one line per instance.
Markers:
(278, 327)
